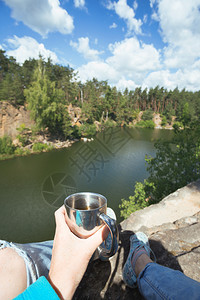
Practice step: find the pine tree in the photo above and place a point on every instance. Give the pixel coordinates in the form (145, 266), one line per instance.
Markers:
(47, 103)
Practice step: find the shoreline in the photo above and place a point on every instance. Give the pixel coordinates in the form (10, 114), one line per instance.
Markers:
(55, 144)
(27, 152)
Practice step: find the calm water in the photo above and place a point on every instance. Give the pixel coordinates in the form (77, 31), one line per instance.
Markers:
(33, 187)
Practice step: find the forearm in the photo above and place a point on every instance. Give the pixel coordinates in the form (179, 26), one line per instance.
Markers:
(41, 289)
(64, 289)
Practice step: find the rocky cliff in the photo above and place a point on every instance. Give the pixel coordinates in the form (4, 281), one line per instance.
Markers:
(11, 117)
(173, 228)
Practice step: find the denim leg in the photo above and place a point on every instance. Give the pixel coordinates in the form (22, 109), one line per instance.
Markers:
(158, 282)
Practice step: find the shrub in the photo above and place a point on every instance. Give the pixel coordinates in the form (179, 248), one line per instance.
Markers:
(39, 147)
(108, 124)
(164, 121)
(88, 130)
(177, 126)
(23, 139)
(21, 151)
(138, 201)
(76, 133)
(147, 115)
(146, 124)
(6, 145)
(23, 135)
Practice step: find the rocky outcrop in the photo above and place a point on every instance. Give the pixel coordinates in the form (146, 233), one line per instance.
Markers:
(173, 228)
(182, 203)
(12, 117)
(75, 114)
(157, 121)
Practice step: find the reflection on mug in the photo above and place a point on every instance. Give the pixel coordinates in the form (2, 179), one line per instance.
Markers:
(86, 213)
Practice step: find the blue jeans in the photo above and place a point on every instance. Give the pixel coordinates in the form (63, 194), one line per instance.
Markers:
(158, 282)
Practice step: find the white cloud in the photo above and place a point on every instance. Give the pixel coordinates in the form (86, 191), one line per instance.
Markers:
(83, 48)
(152, 2)
(42, 16)
(155, 17)
(161, 78)
(124, 83)
(27, 47)
(79, 3)
(124, 11)
(133, 63)
(133, 58)
(128, 65)
(135, 5)
(114, 25)
(180, 23)
(100, 70)
(188, 78)
(145, 18)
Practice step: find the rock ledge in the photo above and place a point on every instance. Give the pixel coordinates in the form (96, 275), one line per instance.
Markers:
(173, 227)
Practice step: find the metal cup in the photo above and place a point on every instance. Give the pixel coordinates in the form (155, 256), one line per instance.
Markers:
(86, 213)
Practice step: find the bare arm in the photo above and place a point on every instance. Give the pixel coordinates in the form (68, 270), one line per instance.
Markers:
(70, 256)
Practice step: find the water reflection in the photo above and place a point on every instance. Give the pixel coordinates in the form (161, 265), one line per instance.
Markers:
(33, 187)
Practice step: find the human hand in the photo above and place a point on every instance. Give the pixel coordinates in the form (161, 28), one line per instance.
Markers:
(70, 256)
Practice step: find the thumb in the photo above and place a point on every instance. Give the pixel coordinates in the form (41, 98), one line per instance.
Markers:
(60, 218)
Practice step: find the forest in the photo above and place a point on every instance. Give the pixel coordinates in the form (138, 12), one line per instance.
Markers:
(47, 89)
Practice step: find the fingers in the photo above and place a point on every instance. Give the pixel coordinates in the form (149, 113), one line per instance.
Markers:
(97, 238)
(93, 241)
(106, 231)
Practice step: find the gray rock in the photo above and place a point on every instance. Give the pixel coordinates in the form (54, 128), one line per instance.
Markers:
(185, 202)
(176, 244)
(12, 117)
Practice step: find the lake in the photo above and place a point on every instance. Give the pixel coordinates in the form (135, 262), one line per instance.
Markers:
(32, 187)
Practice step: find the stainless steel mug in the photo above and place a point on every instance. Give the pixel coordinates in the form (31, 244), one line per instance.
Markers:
(86, 213)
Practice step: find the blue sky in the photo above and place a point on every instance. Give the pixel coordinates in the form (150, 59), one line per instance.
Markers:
(130, 43)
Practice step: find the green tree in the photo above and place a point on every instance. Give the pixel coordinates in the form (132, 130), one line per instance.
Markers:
(47, 103)
(169, 112)
(164, 121)
(28, 69)
(23, 135)
(186, 115)
(136, 202)
(177, 163)
(4, 62)
(11, 81)
(65, 79)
